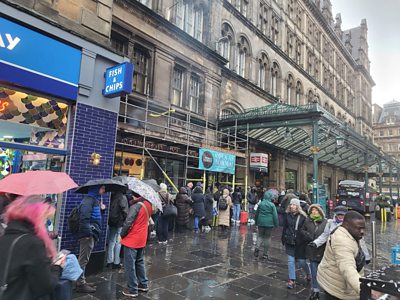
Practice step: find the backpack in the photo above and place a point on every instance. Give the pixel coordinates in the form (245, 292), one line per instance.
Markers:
(73, 220)
(115, 213)
(222, 203)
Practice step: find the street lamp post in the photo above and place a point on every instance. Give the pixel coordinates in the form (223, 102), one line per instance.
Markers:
(315, 150)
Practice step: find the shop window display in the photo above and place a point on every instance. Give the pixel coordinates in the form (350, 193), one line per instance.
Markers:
(32, 120)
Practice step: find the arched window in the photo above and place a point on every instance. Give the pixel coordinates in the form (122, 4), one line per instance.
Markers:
(299, 93)
(227, 112)
(326, 106)
(243, 57)
(226, 42)
(332, 110)
(275, 76)
(263, 71)
(290, 89)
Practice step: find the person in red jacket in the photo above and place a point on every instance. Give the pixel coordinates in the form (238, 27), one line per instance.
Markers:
(134, 237)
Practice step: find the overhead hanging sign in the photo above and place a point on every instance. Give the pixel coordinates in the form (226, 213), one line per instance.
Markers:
(118, 80)
(259, 162)
(216, 161)
(36, 61)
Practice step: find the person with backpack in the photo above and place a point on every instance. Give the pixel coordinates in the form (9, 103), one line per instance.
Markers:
(134, 235)
(116, 218)
(224, 205)
(90, 215)
(183, 204)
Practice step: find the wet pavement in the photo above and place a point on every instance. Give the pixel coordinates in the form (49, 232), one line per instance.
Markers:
(220, 265)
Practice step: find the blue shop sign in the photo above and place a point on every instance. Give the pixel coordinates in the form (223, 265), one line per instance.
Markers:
(216, 161)
(118, 80)
(35, 61)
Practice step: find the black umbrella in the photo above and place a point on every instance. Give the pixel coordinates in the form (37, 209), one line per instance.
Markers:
(153, 184)
(110, 185)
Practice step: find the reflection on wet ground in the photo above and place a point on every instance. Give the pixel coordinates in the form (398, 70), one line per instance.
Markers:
(221, 265)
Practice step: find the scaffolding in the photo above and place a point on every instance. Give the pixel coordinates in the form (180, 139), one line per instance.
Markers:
(147, 126)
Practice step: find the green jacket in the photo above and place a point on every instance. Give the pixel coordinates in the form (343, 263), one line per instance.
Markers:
(266, 215)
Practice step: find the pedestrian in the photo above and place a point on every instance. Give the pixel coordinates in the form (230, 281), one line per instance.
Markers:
(266, 219)
(224, 205)
(189, 187)
(198, 208)
(116, 218)
(31, 273)
(338, 216)
(183, 204)
(312, 228)
(286, 201)
(237, 202)
(134, 238)
(208, 206)
(163, 220)
(90, 215)
(5, 200)
(294, 242)
(343, 263)
(252, 200)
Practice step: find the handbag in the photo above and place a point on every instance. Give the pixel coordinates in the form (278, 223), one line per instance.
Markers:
(169, 210)
(291, 239)
(3, 285)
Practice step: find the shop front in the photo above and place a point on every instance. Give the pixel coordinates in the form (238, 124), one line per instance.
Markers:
(37, 92)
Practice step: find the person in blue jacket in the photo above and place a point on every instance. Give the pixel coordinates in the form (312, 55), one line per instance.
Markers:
(89, 231)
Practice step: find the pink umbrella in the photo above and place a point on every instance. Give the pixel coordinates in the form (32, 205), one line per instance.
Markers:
(37, 183)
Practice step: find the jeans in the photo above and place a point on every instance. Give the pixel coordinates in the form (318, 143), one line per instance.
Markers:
(264, 238)
(85, 250)
(135, 271)
(252, 214)
(163, 228)
(114, 245)
(292, 266)
(314, 282)
(236, 212)
(196, 223)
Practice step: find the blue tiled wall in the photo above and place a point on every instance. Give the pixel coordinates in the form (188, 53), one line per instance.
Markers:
(91, 130)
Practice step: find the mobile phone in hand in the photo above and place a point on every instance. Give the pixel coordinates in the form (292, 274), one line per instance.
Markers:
(61, 254)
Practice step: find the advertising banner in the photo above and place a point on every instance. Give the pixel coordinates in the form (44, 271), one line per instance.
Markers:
(216, 161)
(118, 80)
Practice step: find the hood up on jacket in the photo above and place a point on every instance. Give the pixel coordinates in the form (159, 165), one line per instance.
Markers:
(269, 196)
(317, 206)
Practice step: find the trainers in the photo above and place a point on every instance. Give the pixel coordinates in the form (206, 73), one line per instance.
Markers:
(85, 288)
(143, 289)
(117, 266)
(266, 257)
(128, 293)
(291, 284)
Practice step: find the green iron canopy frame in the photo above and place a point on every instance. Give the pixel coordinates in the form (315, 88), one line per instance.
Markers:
(307, 130)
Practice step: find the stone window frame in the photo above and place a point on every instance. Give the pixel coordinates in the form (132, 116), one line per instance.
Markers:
(263, 74)
(290, 88)
(227, 40)
(275, 79)
(290, 43)
(189, 16)
(243, 56)
(299, 92)
(263, 18)
(141, 71)
(275, 28)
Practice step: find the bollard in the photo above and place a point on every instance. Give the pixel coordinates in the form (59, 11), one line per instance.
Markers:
(373, 240)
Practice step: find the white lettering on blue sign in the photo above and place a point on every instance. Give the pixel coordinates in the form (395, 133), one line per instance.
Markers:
(11, 42)
(115, 72)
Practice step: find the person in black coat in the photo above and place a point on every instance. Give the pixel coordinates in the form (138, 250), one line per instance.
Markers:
(208, 205)
(31, 274)
(198, 207)
(293, 241)
(183, 203)
(312, 228)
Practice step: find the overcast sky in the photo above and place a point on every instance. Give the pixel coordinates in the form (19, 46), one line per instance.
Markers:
(383, 20)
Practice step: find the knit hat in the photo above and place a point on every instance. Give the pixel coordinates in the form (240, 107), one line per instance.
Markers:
(295, 201)
(163, 186)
